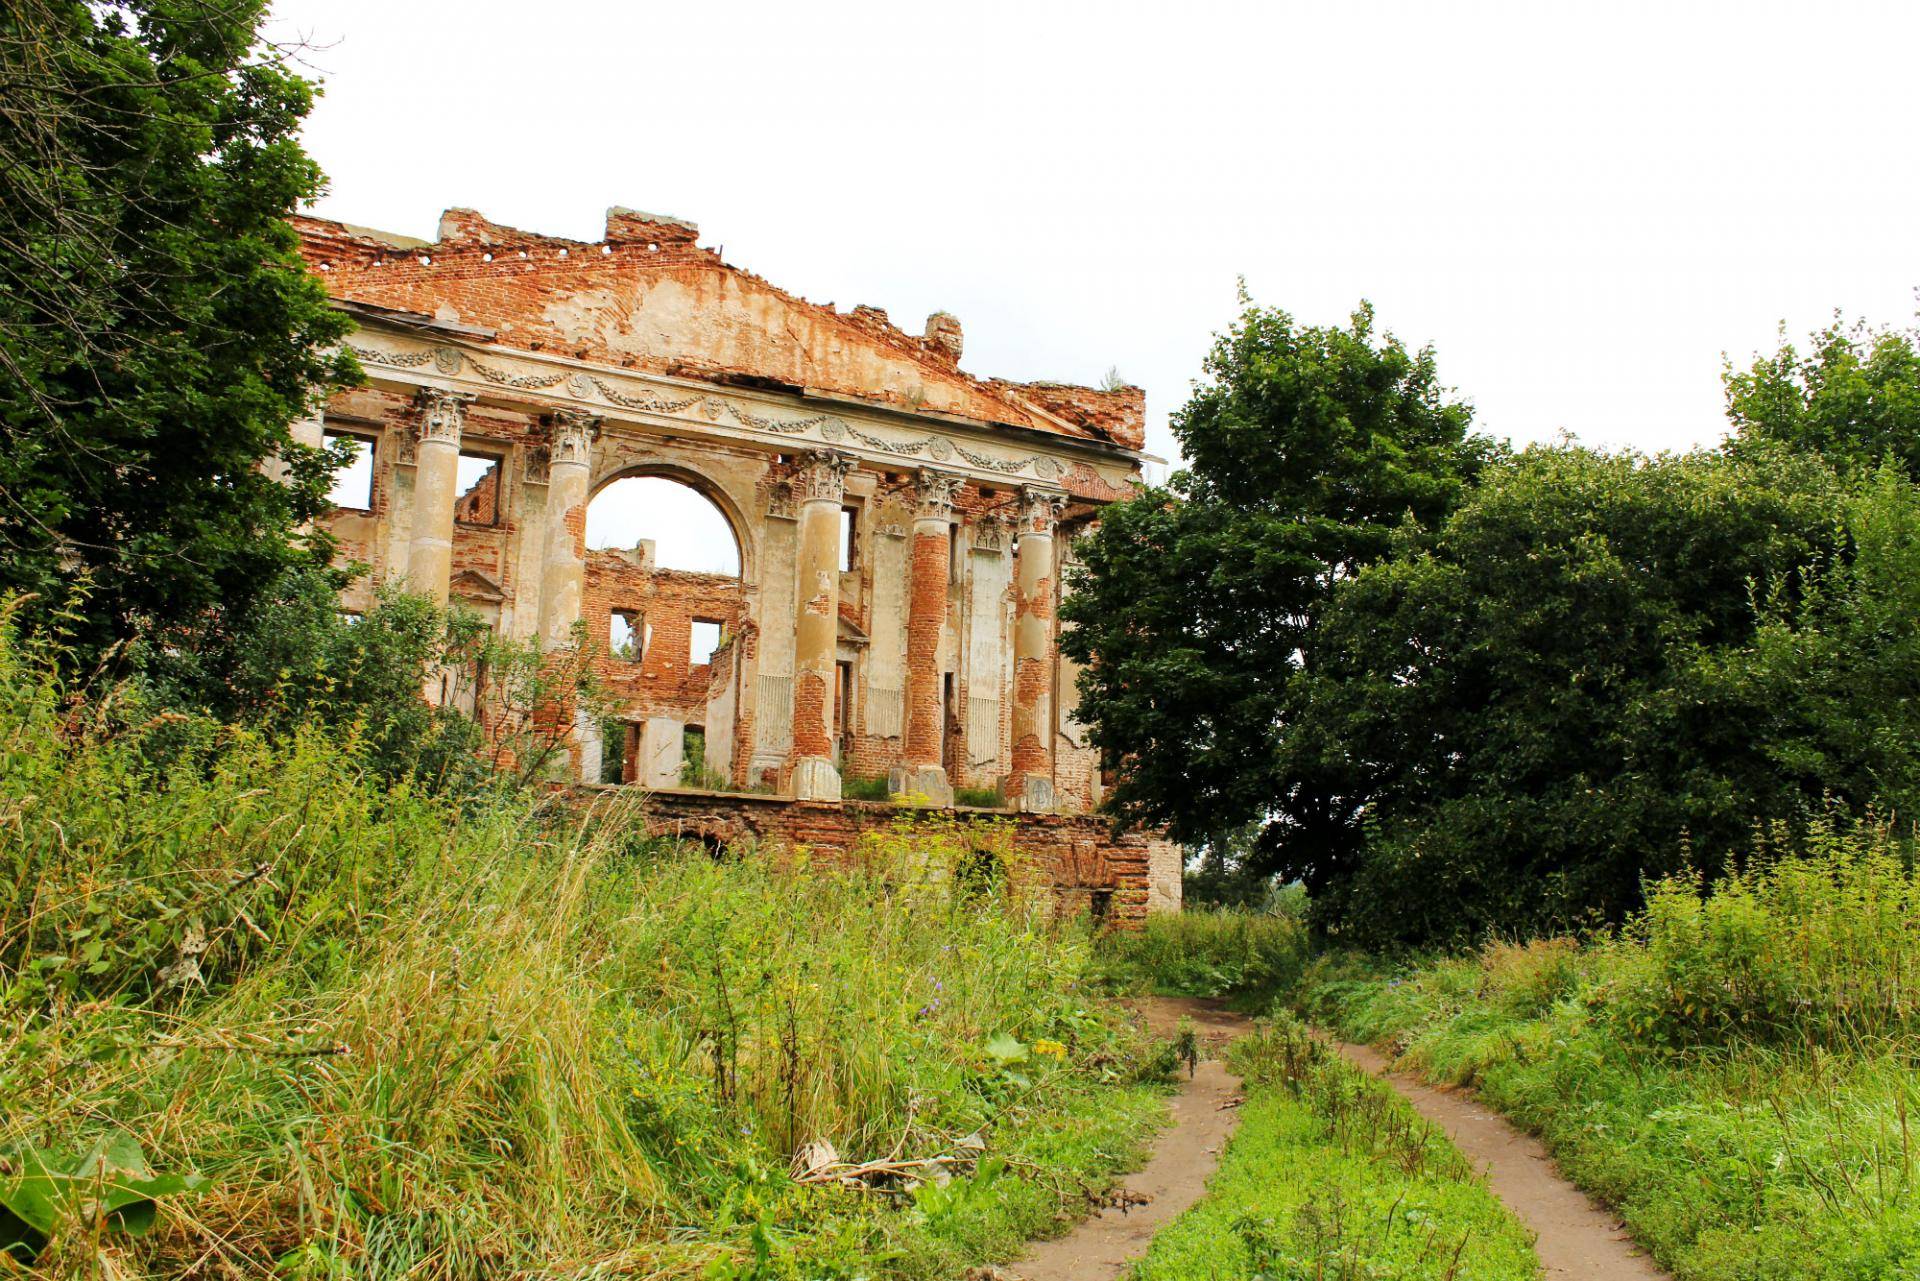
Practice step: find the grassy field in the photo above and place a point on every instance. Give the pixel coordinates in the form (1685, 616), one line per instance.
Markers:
(1735, 1072)
(1332, 1176)
(292, 1023)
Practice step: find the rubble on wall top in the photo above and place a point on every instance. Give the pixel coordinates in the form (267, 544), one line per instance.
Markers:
(370, 267)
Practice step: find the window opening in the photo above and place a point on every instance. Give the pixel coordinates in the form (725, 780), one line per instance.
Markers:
(478, 482)
(352, 484)
(849, 531)
(627, 636)
(705, 638)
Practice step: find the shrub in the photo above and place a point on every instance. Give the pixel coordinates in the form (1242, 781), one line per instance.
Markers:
(1820, 944)
(855, 788)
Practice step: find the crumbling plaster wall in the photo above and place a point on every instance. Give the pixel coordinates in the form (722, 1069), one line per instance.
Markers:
(546, 324)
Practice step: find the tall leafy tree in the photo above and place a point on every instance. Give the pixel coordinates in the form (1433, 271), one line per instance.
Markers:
(1852, 395)
(1199, 604)
(158, 332)
(1604, 668)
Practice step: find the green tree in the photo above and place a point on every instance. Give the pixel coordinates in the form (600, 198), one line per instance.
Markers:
(1199, 604)
(1604, 668)
(158, 331)
(1853, 397)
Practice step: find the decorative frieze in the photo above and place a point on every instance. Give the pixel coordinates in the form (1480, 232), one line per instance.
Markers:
(989, 535)
(537, 467)
(632, 394)
(780, 500)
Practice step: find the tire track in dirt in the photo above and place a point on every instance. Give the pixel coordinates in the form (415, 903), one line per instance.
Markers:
(1174, 1178)
(1574, 1235)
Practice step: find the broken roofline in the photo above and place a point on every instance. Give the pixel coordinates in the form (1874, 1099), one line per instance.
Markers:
(377, 270)
(375, 317)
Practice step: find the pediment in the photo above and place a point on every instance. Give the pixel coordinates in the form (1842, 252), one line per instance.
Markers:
(472, 585)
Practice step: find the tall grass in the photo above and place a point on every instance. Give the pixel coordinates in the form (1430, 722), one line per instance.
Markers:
(1734, 1070)
(1208, 952)
(402, 1037)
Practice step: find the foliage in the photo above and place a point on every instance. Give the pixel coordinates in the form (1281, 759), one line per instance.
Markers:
(110, 1189)
(1731, 1071)
(296, 660)
(855, 788)
(403, 1036)
(1604, 668)
(158, 331)
(1818, 945)
(1199, 604)
(1853, 397)
(1209, 952)
(1332, 1175)
(985, 798)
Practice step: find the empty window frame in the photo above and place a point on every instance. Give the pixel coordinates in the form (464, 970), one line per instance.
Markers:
(352, 484)
(849, 534)
(704, 637)
(627, 636)
(478, 484)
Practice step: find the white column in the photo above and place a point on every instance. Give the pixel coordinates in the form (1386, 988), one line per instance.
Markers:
(436, 476)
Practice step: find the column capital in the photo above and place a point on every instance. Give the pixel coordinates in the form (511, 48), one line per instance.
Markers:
(822, 476)
(935, 491)
(570, 436)
(1040, 508)
(443, 413)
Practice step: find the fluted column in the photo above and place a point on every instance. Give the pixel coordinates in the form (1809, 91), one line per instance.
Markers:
(819, 490)
(1029, 784)
(563, 569)
(436, 476)
(922, 769)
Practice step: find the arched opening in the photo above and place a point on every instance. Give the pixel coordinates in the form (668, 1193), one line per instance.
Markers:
(681, 527)
(665, 601)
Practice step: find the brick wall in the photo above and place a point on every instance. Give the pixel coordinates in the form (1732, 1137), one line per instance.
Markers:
(1087, 866)
(664, 681)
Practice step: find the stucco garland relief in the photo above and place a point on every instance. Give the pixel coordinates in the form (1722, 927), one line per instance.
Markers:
(829, 427)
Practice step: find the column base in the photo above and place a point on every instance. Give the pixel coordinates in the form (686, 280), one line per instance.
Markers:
(815, 779)
(1029, 793)
(929, 781)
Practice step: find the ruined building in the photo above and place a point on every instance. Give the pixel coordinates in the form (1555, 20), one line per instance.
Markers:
(901, 525)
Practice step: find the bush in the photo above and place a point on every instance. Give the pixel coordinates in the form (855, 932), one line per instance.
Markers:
(1820, 945)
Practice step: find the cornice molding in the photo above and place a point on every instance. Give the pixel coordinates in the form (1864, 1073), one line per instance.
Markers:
(499, 374)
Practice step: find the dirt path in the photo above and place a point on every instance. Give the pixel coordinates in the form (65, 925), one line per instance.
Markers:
(1576, 1236)
(1175, 1177)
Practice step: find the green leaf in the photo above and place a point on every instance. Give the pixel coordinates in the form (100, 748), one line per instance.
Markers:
(1003, 1049)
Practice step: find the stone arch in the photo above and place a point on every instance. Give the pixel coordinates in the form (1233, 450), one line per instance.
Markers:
(744, 534)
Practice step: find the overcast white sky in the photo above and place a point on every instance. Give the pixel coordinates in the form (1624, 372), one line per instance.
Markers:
(1581, 206)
